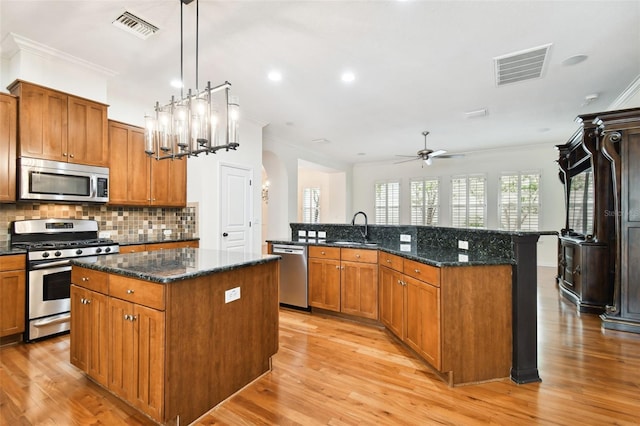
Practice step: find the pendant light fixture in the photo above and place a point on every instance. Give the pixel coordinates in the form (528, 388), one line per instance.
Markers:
(190, 125)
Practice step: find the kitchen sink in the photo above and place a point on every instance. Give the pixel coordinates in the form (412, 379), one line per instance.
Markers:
(352, 243)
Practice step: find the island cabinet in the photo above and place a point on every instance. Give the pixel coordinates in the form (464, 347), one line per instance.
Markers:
(12, 294)
(457, 318)
(174, 350)
(8, 135)
(57, 126)
(344, 280)
(135, 179)
(136, 248)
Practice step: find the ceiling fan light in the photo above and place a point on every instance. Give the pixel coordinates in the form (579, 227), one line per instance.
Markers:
(428, 161)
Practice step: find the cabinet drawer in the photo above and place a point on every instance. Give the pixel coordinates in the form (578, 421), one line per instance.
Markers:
(422, 272)
(88, 278)
(390, 261)
(359, 255)
(137, 291)
(13, 262)
(324, 252)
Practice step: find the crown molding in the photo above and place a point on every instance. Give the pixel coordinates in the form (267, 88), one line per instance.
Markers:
(33, 47)
(628, 93)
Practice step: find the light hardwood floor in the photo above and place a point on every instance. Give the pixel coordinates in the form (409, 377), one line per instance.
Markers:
(335, 372)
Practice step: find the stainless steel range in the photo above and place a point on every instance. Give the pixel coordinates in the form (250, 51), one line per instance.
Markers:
(50, 245)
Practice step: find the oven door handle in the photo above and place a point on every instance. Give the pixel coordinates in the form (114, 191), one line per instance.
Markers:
(51, 264)
(58, 319)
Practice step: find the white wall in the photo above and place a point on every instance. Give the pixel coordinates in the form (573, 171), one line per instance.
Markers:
(490, 163)
(332, 193)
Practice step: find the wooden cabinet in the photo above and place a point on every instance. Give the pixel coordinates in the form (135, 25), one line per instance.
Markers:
(324, 278)
(57, 126)
(129, 166)
(391, 300)
(12, 294)
(136, 362)
(89, 339)
(138, 180)
(359, 282)
(457, 318)
(8, 134)
(620, 136)
(344, 280)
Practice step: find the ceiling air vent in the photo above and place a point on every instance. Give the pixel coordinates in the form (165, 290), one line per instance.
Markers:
(135, 25)
(519, 66)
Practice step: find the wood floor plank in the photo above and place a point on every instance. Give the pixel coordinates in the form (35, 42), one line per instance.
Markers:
(331, 371)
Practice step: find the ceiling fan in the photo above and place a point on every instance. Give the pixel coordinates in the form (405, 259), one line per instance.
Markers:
(427, 155)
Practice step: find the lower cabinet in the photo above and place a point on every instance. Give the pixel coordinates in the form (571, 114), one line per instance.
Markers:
(12, 294)
(457, 318)
(344, 280)
(136, 370)
(89, 340)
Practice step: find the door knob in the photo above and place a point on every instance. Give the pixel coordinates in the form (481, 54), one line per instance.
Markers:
(224, 234)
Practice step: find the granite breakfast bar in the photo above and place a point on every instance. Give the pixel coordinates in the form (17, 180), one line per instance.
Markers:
(174, 332)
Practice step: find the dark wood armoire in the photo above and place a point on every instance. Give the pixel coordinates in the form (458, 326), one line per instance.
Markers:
(599, 248)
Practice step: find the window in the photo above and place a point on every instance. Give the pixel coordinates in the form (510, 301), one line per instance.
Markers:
(425, 201)
(387, 203)
(311, 205)
(519, 201)
(469, 201)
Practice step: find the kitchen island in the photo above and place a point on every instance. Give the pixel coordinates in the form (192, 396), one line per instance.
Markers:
(174, 332)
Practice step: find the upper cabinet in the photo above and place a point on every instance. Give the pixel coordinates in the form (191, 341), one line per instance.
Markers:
(138, 180)
(57, 126)
(8, 126)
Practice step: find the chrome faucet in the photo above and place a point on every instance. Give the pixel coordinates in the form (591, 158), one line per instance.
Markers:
(365, 233)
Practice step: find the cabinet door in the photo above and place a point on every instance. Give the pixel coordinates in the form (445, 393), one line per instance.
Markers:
(324, 284)
(149, 378)
(8, 126)
(122, 348)
(392, 301)
(88, 142)
(423, 320)
(90, 333)
(359, 289)
(169, 183)
(43, 123)
(129, 167)
(12, 302)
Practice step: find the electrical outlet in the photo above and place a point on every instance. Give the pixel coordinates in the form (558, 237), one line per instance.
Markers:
(167, 232)
(232, 294)
(405, 247)
(405, 238)
(311, 234)
(463, 245)
(322, 234)
(302, 233)
(104, 234)
(463, 257)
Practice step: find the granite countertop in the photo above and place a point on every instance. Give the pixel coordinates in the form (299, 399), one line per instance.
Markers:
(172, 265)
(6, 250)
(430, 256)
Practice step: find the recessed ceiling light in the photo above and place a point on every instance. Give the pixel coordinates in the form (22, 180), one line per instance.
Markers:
(575, 59)
(362, 153)
(348, 76)
(274, 75)
(177, 83)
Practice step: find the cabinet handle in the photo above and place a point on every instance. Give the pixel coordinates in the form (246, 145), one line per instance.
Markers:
(357, 255)
(322, 253)
(85, 279)
(388, 260)
(70, 155)
(417, 271)
(64, 154)
(133, 317)
(337, 266)
(130, 291)
(126, 317)
(578, 270)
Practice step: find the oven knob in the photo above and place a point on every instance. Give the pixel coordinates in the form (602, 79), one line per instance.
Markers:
(98, 250)
(107, 250)
(58, 254)
(78, 251)
(45, 254)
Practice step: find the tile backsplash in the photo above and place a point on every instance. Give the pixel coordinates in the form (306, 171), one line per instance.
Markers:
(126, 224)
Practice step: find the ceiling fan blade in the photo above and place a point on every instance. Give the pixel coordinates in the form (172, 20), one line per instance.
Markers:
(413, 158)
(437, 153)
(407, 156)
(451, 156)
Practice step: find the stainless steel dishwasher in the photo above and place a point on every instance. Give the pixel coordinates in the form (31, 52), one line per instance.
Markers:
(293, 275)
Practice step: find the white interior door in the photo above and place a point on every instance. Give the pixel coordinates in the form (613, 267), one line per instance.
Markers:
(235, 208)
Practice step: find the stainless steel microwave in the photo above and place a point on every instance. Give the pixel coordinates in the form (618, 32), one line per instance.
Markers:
(45, 180)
